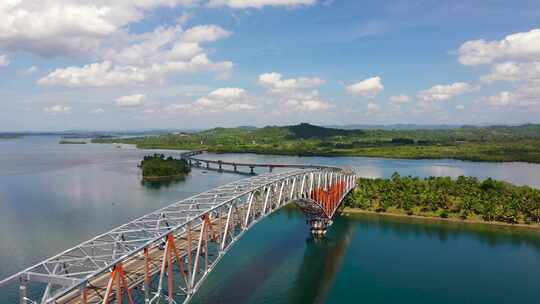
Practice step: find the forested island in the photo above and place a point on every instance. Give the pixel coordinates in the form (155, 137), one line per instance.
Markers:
(494, 143)
(72, 142)
(464, 198)
(156, 167)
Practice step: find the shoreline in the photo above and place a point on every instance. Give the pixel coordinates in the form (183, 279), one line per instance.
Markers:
(340, 154)
(159, 178)
(349, 210)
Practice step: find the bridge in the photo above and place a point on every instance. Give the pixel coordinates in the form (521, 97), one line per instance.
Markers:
(233, 167)
(165, 256)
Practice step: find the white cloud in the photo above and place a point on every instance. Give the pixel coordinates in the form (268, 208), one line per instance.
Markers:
(205, 33)
(445, 92)
(514, 72)
(99, 74)
(57, 109)
(370, 87)
(372, 108)
(231, 93)
(502, 99)
(309, 105)
(527, 96)
(69, 27)
(134, 100)
(4, 61)
(518, 46)
(97, 111)
(217, 101)
(276, 83)
(260, 3)
(460, 107)
(399, 99)
(145, 58)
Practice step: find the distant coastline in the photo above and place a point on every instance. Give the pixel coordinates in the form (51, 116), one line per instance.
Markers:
(479, 144)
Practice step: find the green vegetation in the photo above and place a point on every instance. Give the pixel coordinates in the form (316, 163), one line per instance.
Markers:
(71, 142)
(462, 198)
(495, 143)
(9, 136)
(158, 167)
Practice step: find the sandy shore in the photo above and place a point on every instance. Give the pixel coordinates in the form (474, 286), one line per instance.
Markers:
(348, 210)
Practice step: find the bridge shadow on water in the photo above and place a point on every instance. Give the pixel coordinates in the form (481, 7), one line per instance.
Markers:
(315, 276)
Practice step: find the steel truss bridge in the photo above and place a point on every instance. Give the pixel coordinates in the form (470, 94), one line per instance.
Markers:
(165, 256)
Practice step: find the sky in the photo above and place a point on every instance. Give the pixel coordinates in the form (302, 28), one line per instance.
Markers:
(185, 64)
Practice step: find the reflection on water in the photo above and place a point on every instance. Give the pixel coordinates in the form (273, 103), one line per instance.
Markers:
(164, 183)
(322, 260)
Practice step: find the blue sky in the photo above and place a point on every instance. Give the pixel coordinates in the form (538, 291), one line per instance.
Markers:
(68, 64)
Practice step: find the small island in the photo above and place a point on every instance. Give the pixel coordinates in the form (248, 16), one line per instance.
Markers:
(157, 167)
(464, 199)
(72, 142)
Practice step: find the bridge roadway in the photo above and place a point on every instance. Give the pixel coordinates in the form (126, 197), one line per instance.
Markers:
(232, 167)
(179, 244)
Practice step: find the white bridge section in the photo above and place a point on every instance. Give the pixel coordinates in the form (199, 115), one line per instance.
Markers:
(192, 234)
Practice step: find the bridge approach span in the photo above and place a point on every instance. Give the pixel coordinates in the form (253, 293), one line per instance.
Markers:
(164, 256)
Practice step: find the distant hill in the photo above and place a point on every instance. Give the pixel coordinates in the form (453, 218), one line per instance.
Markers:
(395, 127)
(306, 130)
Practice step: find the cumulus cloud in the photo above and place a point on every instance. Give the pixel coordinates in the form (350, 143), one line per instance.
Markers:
(217, 101)
(69, 27)
(514, 72)
(291, 95)
(57, 109)
(370, 87)
(309, 105)
(240, 4)
(518, 46)
(527, 96)
(399, 99)
(134, 100)
(276, 83)
(146, 58)
(445, 92)
(205, 33)
(4, 61)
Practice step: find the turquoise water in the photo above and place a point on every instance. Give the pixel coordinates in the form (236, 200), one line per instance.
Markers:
(54, 196)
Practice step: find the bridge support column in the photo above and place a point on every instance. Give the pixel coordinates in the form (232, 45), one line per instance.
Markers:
(219, 165)
(319, 226)
(251, 170)
(235, 168)
(23, 290)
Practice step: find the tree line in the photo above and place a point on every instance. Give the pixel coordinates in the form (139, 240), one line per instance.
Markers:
(465, 197)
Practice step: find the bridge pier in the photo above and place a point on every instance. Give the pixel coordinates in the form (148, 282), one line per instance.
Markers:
(219, 165)
(235, 168)
(319, 226)
(251, 170)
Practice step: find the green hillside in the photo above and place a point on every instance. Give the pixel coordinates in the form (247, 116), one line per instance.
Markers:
(495, 143)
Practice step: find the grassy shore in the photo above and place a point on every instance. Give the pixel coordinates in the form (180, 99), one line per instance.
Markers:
(397, 213)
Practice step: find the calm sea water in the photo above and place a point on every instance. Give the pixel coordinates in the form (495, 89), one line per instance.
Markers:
(54, 196)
